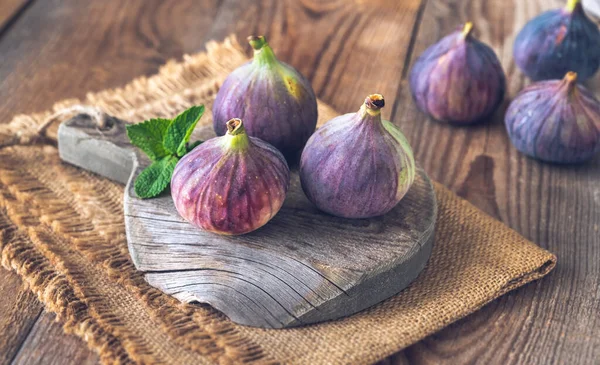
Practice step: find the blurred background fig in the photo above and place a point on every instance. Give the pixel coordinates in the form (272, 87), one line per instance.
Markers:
(357, 165)
(276, 102)
(232, 184)
(558, 41)
(458, 80)
(555, 121)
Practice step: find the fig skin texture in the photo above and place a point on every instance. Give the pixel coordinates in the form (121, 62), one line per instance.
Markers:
(458, 80)
(232, 184)
(277, 104)
(559, 41)
(555, 121)
(357, 165)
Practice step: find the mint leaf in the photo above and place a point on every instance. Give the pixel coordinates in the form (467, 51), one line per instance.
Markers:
(191, 146)
(180, 130)
(164, 141)
(149, 136)
(155, 178)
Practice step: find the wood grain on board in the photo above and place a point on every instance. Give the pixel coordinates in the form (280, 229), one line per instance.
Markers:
(349, 49)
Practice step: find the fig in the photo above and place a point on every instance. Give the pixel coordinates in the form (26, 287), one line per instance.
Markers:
(232, 184)
(555, 121)
(458, 80)
(276, 102)
(357, 165)
(558, 41)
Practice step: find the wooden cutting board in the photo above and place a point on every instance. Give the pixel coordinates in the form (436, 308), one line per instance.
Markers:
(303, 267)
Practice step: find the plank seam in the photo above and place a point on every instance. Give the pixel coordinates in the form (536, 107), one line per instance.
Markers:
(30, 330)
(13, 19)
(413, 40)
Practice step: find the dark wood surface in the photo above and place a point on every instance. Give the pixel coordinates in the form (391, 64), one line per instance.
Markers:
(9, 11)
(53, 49)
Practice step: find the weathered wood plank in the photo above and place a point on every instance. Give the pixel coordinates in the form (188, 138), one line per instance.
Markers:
(115, 42)
(9, 11)
(303, 267)
(19, 310)
(49, 345)
(551, 205)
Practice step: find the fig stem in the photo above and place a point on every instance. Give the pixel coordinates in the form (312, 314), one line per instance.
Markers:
(236, 133)
(257, 42)
(263, 53)
(570, 80)
(572, 5)
(374, 103)
(467, 29)
(571, 77)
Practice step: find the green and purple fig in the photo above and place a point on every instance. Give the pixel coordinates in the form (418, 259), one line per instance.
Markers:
(276, 102)
(232, 184)
(558, 41)
(555, 121)
(458, 80)
(357, 165)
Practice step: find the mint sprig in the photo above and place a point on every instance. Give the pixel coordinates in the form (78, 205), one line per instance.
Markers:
(165, 141)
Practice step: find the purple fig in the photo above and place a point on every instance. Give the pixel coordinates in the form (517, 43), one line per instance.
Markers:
(357, 165)
(555, 121)
(276, 102)
(559, 41)
(232, 184)
(458, 80)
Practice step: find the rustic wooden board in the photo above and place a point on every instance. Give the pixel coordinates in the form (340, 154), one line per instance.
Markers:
(303, 267)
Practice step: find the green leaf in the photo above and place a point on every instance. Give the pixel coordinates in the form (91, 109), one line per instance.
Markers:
(191, 146)
(149, 136)
(155, 178)
(180, 130)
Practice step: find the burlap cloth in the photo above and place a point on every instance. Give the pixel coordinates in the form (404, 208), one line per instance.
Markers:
(62, 231)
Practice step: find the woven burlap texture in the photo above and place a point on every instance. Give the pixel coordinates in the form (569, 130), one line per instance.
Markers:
(62, 231)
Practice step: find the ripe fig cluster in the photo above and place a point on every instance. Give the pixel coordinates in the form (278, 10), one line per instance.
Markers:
(459, 80)
(356, 166)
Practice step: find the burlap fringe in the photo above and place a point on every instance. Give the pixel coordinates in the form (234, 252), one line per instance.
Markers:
(56, 290)
(201, 330)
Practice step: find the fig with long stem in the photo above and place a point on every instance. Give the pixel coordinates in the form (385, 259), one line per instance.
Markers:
(275, 101)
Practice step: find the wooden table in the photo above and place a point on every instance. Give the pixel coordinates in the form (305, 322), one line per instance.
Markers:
(54, 49)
